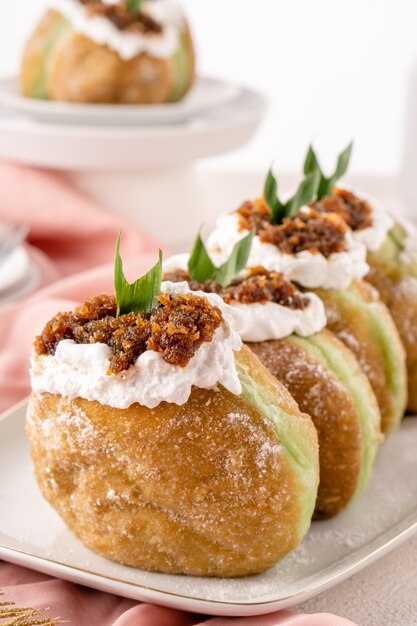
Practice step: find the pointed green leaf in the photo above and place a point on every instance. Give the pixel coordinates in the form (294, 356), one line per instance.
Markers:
(236, 262)
(311, 163)
(140, 296)
(326, 184)
(305, 193)
(200, 265)
(202, 268)
(271, 197)
(134, 6)
(325, 187)
(343, 163)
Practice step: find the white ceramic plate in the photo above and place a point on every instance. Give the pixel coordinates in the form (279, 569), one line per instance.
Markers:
(14, 269)
(206, 94)
(18, 276)
(32, 535)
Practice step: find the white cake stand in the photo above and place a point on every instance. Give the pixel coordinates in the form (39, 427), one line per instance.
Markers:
(144, 173)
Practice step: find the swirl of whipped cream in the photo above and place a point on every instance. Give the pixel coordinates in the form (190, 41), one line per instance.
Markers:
(127, 44)
(263, 321)
(374, 236)
(80, 370)
(311, 270)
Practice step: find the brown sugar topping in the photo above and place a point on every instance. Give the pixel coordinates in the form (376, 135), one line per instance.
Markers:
(355, 212)
(176, 328)
(258, 286)
(181, 325)
(122, 18)
(254, 215)
(317, 232)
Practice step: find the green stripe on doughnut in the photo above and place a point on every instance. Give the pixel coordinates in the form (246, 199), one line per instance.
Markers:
(57, 33)
(384, 333)
(297, 445)
(181, 69)
(389, 253)
(347, 370)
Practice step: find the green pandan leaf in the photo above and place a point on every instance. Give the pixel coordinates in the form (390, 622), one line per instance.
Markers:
(236, 261)
(202, 268)
(134, 6)
(200, 265)
(271, 195)
(311, 164)
(305, 193)
(140, 296)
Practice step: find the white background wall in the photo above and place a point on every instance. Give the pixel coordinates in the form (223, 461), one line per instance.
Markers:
(333, 69)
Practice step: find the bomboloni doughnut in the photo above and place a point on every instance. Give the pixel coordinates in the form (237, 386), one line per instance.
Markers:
(317, 250)
(392, 259)
(326, 380)
(391, 254)
(165, 444)
(284, 328)
(91, 51)
(393, 272)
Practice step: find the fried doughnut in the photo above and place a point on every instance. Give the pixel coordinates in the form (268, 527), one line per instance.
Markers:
(221, 485)
(394, 275)
(392, 264)
(320, 372)
(325, 379)
(60, 63)
(317, 250)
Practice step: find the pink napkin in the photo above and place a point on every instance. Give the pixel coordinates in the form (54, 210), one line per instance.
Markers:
(65, 225)
(70, 235)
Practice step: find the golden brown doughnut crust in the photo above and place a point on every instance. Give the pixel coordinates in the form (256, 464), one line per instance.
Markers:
(399, 292)
(320, 395)
(201, 489)
(80, 70)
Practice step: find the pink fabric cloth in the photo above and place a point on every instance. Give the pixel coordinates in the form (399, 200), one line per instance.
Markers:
(65, 225)
(87, 607)
(69, 235)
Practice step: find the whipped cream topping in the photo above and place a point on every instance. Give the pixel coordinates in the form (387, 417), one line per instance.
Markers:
(409, 252)
(269, 320)
(374, 236)
(80, 370)
(127, 44)
(311, 270)
(264, 321)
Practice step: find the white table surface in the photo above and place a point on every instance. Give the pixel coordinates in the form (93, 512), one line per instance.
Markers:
(384, 594)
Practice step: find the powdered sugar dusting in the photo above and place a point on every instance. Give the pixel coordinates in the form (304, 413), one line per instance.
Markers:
(110, 483)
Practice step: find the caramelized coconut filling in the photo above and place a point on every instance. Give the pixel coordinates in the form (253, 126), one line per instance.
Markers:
(310, 230)
(259, 286)
(355, 212)
(122, 18)
(175, 328)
